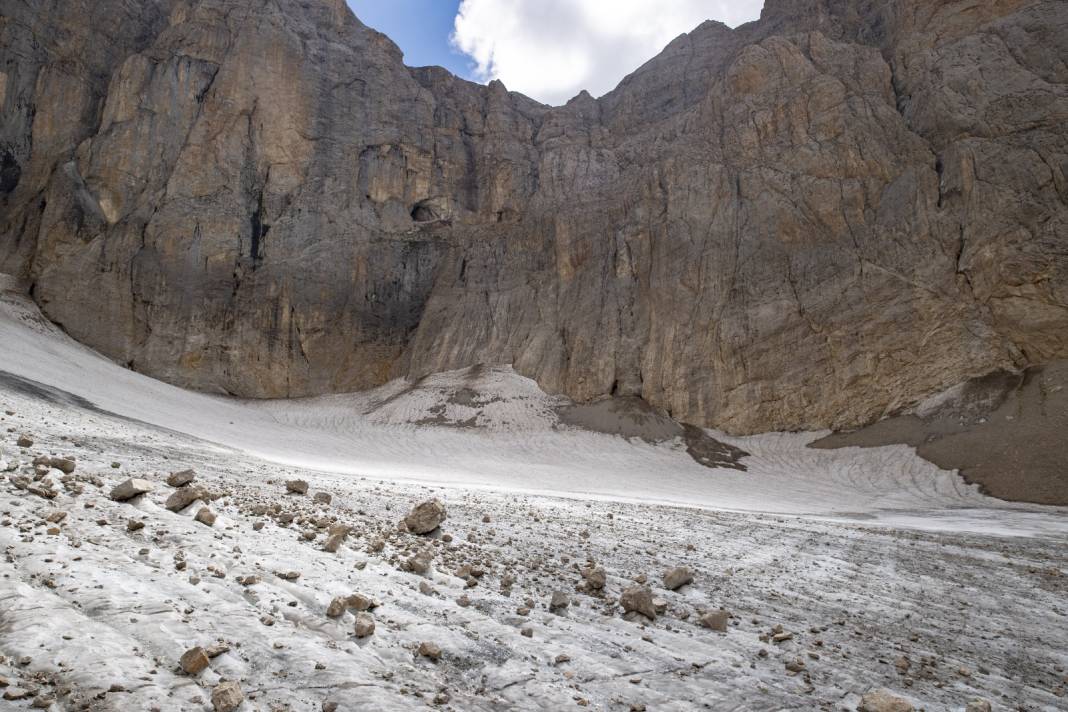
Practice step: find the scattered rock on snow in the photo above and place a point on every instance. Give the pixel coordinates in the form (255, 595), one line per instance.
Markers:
(227, 697)
(365, 625)
(337, 607)
(131, 488)
(181, 479)
(559, 601)
(638, 599)
(676, 578)
(194, 660)
(24, 441)
(595, 578)
(336, 536)
(715, 620)
(297, 487)
(425, 517)
(13, 694)
(978, 705)
(183, 497)
(883, 701)
(429, 650)
(65, 465)
(360, 602)
(205, 516)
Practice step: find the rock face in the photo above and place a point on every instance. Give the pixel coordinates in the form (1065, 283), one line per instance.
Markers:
(809, 221)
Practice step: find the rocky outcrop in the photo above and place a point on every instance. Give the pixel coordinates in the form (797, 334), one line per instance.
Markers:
(809, 221)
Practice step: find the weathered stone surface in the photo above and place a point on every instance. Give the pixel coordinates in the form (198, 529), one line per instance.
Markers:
(185, 496)
(677, 577)
(131, 488)
(365, 625)
(227, 697)
(883, 701)
(638, 599)
(715, 620)
(425, 517)
(205, 516)
(194, 661)
(181, 479)
(806, 222)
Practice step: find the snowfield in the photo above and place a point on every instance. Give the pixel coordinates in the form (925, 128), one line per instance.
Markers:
(843, 571)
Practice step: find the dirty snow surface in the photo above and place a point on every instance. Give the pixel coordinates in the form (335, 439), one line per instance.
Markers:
(843, 572)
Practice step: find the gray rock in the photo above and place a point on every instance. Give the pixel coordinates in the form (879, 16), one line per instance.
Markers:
(676, 578)
(181, 479)
(595, 578)
(715, 620)
(185, 496)
(205, 516)
(638, 599)
(131, 488)
(297, 487)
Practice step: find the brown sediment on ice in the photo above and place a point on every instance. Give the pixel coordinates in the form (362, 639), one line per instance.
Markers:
(1007, 432)
(632, 417)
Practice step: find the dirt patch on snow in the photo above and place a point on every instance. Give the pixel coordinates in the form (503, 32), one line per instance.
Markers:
(632, 417)
(1007, 432)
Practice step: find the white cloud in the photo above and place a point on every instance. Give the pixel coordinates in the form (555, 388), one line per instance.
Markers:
(552, 49)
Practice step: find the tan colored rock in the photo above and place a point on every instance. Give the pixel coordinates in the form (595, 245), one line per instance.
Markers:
(24, 441)
(677, 577)
(595, 578)
(297, 487)
(715, 620)
(430, 650)
(883, 701)
(227, 697)
(638, 599)
(205, 516)
(337, 607)
(425, 517)
(181, 479)
(360, 602)
(65, 465)
(194, 660)
(336, 537)
(185, 496)
(131, 488)
(365, 625)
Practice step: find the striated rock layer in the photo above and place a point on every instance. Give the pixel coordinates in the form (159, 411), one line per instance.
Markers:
(810, 221)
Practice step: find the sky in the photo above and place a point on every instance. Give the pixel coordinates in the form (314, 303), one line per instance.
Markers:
(549, 50)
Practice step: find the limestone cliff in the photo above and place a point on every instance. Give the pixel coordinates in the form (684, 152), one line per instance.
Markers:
(809, 221)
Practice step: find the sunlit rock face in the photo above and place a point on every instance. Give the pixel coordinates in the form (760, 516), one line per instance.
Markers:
(806, 222)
